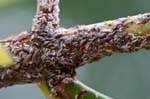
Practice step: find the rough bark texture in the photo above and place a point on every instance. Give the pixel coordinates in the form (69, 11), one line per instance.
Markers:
(47, 17)
(51, 53)
(56, 55)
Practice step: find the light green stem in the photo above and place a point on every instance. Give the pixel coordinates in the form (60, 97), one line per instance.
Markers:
(46, 91)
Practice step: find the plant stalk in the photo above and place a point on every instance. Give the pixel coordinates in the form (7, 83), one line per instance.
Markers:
(73, 90)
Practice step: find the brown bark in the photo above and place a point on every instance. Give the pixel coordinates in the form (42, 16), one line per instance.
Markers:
(54, 55)
(47, 17)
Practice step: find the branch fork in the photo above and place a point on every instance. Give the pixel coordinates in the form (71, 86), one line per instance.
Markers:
(49, 52)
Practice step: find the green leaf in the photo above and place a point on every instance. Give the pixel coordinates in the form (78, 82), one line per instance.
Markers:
(76, 87)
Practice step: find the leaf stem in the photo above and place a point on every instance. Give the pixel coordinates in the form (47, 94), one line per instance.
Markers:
(46, 91)
(73, 90)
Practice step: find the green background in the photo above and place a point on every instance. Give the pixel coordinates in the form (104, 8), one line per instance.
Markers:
(121, 76)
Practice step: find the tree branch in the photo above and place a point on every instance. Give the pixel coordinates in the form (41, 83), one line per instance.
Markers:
(55, 56)
(47, 17)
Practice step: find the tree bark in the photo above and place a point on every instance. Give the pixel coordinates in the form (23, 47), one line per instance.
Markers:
(50, 53)
(57, 55)
(47, 17)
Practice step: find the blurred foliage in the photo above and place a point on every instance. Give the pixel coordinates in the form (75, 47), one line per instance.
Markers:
(122, 76)
(5, 58)
(4, 3)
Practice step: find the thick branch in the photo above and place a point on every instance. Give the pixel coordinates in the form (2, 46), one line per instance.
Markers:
(54, 56)
(47, 18)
